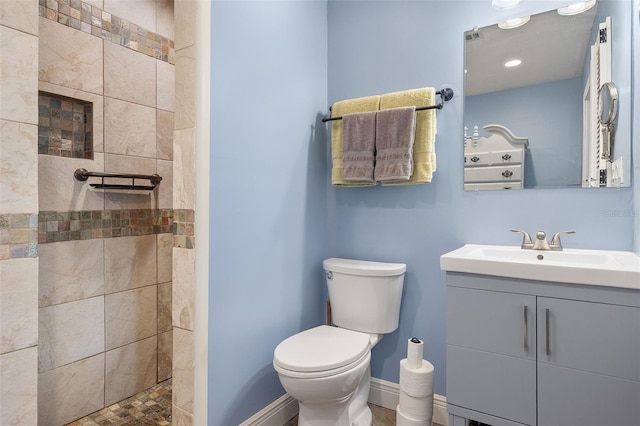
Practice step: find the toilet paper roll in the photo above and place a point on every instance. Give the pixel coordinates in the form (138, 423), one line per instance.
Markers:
(415, 348)
(416, 382)
(403, 420)
(416, 408)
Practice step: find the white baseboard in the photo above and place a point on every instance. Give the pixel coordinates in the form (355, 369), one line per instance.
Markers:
(277, 413)
(383, 393)
(386, 394)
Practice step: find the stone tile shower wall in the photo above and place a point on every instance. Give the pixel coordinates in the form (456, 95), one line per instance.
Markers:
(105, 257)
(18, 212)
(184, 214)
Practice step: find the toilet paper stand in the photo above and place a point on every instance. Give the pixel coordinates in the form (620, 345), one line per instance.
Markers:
(415, 407)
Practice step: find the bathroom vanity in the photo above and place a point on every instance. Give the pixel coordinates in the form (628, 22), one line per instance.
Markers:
(525, 351)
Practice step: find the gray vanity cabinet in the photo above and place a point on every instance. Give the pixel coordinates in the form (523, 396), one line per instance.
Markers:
(537, 353)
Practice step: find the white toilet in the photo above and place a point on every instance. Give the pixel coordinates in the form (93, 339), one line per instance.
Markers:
(326, 369)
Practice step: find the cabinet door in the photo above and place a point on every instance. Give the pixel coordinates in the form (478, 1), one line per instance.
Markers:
(595, 337)
(588, 363)
(491, 321)
(491, 353)
(568, 397)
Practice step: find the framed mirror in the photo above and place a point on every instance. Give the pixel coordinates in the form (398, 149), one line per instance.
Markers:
(540, 77)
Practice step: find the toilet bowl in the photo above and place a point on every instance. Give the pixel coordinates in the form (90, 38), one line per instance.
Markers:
(327, 368)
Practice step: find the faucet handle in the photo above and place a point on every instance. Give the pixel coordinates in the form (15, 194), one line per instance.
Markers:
(555, 241)
(526, 239)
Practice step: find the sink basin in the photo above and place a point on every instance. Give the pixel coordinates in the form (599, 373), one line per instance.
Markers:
(593, 267)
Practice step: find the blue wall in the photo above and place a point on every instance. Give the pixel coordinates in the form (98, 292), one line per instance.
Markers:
(554, 157)
(268, 194)
(274, 215)
(383, 46)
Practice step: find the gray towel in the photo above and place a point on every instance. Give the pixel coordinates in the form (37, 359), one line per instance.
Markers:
(395, 129)
(358, 146)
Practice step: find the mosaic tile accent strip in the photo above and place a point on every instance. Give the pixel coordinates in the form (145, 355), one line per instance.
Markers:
(184, 228)
(149, 407)
(64, 126)
(91, 224)
(18, 236)
(92, 20)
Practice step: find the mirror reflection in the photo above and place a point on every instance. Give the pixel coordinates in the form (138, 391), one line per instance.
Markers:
(607, 110)
(533, 99)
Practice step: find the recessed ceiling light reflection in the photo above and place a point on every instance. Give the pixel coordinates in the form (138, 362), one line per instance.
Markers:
(504, 4)
(512, 63)
(514, 23)
(576, 8)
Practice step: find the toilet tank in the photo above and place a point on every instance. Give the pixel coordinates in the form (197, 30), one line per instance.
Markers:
(365, 296)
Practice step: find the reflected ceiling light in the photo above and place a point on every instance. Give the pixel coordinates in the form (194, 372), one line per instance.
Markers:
(512, 63)
(504, 4)
(574, 9)
(510, 24)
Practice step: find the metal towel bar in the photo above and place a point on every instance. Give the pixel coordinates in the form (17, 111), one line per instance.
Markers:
(445, 95)
(83, 175)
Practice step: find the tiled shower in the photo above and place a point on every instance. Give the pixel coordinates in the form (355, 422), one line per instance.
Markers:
(86, 292)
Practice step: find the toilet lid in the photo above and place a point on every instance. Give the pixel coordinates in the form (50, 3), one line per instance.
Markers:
(321, 348)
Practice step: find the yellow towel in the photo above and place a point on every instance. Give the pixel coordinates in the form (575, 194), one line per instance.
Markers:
(424, 157)
(368, 103)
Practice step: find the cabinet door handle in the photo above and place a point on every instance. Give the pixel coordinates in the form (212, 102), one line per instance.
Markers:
(506, 157)
(546, 316)
(526, 330)
(474, 159)
(507, 173)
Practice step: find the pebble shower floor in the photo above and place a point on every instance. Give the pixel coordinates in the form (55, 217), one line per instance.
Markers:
(149, 407)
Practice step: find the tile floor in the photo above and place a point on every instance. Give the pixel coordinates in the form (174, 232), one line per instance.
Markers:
(381, 417)
(149, 407)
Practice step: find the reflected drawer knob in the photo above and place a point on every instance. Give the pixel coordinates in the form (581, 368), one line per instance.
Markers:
(474, 159)
(507, 173)
(506, 157)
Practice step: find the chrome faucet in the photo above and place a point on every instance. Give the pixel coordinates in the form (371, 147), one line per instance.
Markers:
(541, 241)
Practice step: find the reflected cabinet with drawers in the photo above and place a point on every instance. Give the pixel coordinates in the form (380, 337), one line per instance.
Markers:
(539, 353)
(494, 162)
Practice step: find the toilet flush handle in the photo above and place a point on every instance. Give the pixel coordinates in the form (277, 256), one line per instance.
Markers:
(328, 274)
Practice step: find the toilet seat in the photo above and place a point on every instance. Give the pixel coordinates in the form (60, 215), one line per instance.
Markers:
(321, 352)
